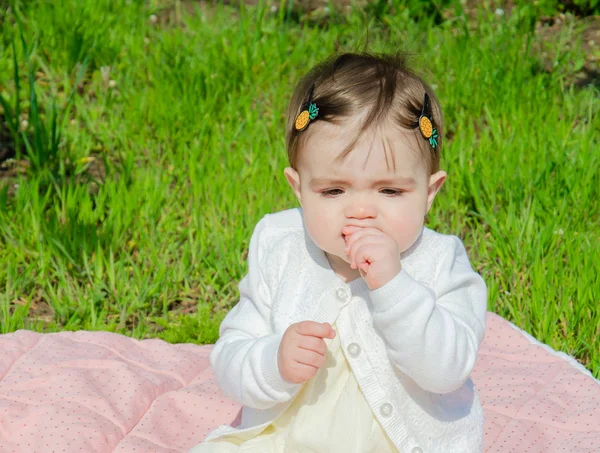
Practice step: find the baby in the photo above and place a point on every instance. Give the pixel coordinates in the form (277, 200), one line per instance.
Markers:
(357, 327)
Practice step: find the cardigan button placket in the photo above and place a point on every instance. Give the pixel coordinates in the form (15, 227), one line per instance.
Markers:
(386, 410)
(342, 294)
(353, 350)
(417, 450)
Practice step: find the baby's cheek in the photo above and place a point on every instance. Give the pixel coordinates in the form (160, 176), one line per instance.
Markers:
(318, 231)
(407, 232)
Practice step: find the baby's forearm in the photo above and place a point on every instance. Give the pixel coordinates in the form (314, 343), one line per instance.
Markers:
(433, 340)
(246, 370)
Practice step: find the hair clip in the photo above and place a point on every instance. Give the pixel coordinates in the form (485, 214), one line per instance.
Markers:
(308, 113)
(426, 125)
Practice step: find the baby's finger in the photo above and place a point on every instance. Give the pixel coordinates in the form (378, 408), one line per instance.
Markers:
(313, 344)
(310, 358)
(349, 230)
(315, 329)
(298, 373)
(364, 240)
(350, 240)
(362, 255)
(305, 372)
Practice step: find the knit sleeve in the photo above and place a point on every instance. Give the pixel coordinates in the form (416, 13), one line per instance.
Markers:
(244, 359)
(433, 334)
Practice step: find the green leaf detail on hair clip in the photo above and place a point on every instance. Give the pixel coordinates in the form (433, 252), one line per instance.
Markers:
(306, 116)
(433, 139)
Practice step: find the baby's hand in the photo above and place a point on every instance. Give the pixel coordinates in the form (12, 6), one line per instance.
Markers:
(302, 350)
(374, 253)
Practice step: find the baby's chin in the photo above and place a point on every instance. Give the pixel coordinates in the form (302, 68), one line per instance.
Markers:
(339, 256)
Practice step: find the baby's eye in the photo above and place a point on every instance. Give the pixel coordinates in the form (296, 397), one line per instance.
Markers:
(394, 192)
(332, 192)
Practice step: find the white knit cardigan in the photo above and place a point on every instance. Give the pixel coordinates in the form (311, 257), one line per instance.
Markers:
(411, 343)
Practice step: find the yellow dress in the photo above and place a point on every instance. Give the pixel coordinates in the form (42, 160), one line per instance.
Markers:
(329, 415)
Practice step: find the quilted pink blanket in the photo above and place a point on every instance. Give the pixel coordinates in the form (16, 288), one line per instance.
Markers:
(103, 392)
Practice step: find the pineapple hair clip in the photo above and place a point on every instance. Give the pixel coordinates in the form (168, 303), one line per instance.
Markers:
(308, 112)
(426, 124)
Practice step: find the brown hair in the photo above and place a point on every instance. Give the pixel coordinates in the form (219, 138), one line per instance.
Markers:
(344, 85)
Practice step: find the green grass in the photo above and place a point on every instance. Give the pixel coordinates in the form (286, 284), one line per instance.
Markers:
(184, 120)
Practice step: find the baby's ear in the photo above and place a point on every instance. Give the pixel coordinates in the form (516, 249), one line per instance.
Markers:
(436, 181)
(293, 178)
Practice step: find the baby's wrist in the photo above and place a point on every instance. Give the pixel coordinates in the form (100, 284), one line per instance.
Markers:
(271, 367)
(390, 274)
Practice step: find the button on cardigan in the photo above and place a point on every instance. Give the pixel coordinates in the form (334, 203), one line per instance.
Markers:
(415, 339)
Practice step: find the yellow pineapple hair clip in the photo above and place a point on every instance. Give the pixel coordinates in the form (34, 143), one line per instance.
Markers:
(426, 124)
(308, 112)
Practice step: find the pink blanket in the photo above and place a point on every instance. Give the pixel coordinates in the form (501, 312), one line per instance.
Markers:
(103, 392)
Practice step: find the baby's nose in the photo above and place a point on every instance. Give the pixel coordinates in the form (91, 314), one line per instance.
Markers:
(361, 210)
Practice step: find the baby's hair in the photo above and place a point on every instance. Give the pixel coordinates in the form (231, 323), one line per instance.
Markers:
(346, 84)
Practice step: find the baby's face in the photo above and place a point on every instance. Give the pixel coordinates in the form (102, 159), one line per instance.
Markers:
(361, 190)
